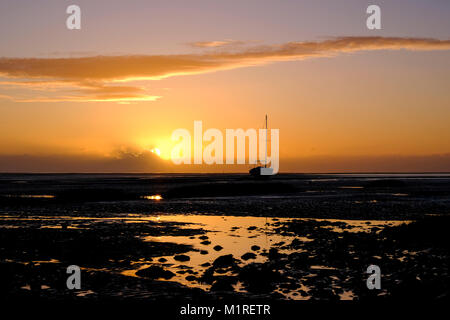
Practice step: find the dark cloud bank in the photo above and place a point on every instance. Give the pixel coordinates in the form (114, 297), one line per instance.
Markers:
(149, 162)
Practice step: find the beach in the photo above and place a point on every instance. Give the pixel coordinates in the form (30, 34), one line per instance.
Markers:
(165, 237)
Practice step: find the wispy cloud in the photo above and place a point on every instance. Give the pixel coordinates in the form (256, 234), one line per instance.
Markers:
(81, 91)
(96, 78)
(219, 43)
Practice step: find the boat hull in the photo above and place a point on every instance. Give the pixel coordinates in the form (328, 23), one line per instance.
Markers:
(261, 172)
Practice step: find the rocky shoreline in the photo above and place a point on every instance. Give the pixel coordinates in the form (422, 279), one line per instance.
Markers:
(212, 247)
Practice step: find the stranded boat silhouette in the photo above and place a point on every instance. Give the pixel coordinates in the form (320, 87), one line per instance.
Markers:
(262, 171)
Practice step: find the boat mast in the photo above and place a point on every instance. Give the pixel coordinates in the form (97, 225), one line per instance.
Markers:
(265, 162)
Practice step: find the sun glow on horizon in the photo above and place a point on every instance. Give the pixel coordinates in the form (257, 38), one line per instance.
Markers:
(156, 151)
(161, 147)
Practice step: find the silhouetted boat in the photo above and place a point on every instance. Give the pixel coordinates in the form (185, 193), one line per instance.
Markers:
(262, 171)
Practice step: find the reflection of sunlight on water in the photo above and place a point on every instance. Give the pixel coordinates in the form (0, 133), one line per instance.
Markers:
(35, 262)
(46, 261)
(28, 287)
(30, 196)
(84, 293)
(361, 225)
(235, 234)
(351, 187)
(322, 268)
(153, 197)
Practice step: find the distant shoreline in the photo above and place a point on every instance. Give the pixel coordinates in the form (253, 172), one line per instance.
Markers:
(231, 173)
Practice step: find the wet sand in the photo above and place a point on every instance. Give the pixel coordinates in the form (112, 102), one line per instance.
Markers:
(312, 240)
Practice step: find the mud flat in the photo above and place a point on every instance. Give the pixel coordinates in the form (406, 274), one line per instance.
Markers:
(311, 241)
(376, 196)
(153, 257)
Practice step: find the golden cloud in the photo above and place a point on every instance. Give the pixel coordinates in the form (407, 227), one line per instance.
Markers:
(96, 77)
(219, 43)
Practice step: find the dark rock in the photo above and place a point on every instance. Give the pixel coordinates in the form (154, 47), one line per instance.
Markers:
(224, 261)
(181, 258)
(274, 254)
(296, 243)
(221, 270)
(248, 255)
(223, 284)
(299, 259)
(207, 276)
(259, 278)
(191, 278)
(155, 272)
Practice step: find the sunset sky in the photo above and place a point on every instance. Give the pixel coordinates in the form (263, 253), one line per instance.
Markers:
(345, 98)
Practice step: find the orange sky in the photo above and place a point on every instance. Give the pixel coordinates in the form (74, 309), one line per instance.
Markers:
(343, 103)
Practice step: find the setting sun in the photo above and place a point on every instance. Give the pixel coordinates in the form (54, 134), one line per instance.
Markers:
(156, 151)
